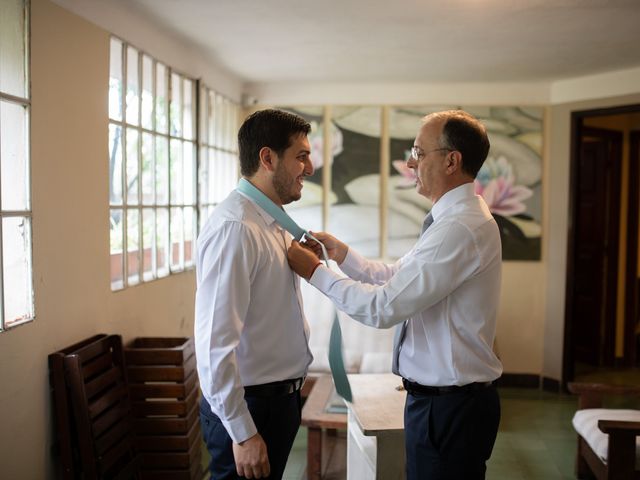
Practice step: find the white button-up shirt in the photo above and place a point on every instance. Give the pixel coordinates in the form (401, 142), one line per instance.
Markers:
(250, 327)
(447, 286)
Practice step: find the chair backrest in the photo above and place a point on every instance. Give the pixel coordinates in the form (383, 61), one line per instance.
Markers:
(66, 436)
(97, 382)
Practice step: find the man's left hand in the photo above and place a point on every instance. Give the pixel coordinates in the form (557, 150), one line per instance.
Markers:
(302, 260)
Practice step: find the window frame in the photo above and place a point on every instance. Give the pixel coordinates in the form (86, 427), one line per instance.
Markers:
(24, 102)
(170, 138)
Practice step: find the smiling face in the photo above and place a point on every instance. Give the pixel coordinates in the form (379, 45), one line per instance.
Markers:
(431, 166)
(292, 167)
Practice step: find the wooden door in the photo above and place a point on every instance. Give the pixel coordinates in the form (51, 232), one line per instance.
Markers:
(596, 224)
(632, 285)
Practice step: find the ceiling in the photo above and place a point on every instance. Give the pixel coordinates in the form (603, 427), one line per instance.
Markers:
(407, 40)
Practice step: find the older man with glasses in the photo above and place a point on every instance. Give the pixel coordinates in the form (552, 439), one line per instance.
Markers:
(442, 295)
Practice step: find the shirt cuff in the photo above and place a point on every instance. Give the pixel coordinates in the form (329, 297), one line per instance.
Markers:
(323, 278)
(241, 428)
(353, 260)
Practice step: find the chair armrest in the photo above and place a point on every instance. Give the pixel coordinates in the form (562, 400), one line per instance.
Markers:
(591, 394)
(615, 426)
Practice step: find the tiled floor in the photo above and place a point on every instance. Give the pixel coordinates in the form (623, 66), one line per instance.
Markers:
(535, 442)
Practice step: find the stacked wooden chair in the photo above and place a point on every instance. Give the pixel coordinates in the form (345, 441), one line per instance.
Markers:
(164, 391)
(608, 438)
(92, 409)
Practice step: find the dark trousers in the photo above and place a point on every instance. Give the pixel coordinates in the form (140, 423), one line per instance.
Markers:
(277, 420)
(450, 436)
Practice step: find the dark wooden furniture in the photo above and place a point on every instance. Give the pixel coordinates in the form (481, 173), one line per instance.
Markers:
(97, 384)
(66, 441)
(622, 436)
(325, 450)
(164, 392)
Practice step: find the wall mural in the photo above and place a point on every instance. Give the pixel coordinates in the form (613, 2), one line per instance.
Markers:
(509, 181)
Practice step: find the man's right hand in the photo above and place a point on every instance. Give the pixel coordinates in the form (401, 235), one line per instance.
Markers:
(251, 458)
(336, 249)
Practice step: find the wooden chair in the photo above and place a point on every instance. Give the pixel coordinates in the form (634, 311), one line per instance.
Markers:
(66, 442)
(97, 382)
(607, 458)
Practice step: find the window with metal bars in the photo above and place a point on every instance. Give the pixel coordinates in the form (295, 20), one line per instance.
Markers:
(16, 275)
(155, 171)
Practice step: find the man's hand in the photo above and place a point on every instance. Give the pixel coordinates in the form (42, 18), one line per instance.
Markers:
(251, 458)
(302, 260)
(336, 249)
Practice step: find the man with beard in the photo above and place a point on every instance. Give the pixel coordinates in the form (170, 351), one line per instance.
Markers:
(250, 332)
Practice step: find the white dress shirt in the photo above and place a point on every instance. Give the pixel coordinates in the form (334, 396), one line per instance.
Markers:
(447, 286)
(250, 327)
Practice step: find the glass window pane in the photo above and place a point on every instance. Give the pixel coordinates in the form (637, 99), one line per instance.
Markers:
(133, 246)
(116, 242)
(162, 171)
(203, 176)
(13, 49)
(14, 157)
(115, 80)
(189, 111)
(189, 160)
(147, 92)
(226, 142)
(148, 242)
(177, 247)
(133, 88)
(217, 122)
(16, 270)
(132, 166)
(231, 174)
(148, 186)
(210, 118)
(162, 241)
(176, 172)
(176, 105)
(115, 164)
(162, 96)
(189, 228)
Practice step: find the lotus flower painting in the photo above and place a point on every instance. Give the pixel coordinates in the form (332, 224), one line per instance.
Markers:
(388, 225)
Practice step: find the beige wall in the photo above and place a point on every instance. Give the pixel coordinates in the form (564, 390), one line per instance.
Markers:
(70, 69)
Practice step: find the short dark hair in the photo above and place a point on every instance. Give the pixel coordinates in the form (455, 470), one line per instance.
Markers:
(464, 133)
(267, 128)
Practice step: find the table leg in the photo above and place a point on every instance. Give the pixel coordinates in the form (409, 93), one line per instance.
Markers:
(314, 453)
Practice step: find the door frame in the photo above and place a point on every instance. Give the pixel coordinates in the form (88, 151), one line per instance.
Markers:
(577, 119)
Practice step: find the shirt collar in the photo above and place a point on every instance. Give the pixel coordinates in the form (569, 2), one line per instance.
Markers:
(268, 219)
(452, 197)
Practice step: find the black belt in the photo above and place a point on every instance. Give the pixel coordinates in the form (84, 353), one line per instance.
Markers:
(417, 389)
(274, 389)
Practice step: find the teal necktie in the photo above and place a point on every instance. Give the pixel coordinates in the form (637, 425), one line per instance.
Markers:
(336, 361)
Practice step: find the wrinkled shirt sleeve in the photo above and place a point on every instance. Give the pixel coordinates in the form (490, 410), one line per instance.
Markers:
(437, 266)
(363, 270)
(226, 260)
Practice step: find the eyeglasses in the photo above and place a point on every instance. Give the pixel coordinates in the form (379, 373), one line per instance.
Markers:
(418, 153)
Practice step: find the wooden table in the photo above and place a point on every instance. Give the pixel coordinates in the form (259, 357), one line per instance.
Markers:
(317, 420)
(375, 441)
